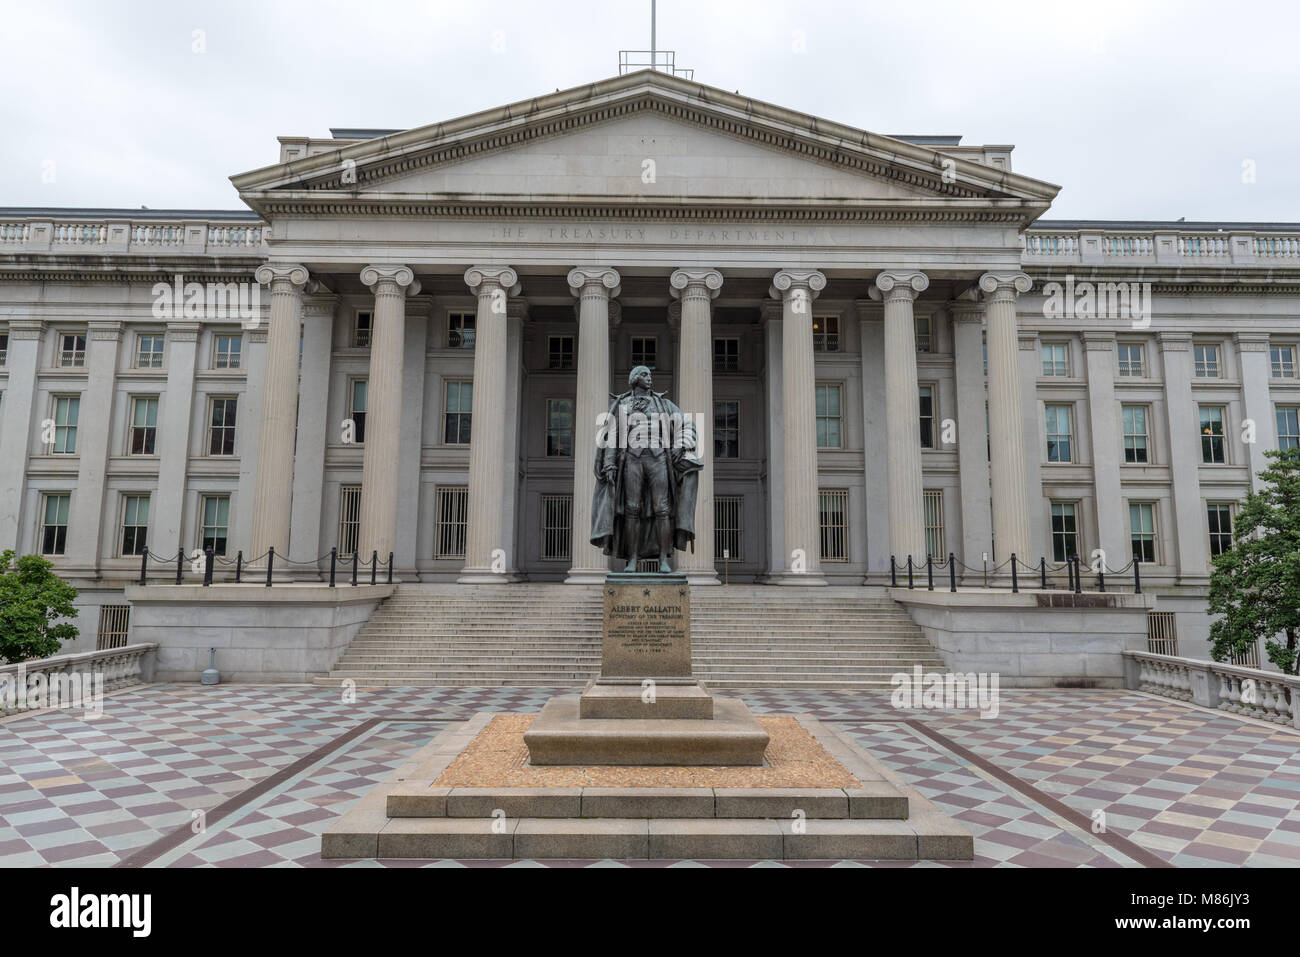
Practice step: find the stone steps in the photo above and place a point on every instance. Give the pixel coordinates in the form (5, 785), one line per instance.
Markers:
(538, 635)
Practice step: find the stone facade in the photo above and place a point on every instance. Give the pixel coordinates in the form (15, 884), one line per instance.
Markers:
(839, 307)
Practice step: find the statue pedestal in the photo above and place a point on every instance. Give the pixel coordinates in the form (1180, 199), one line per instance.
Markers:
(646, 708)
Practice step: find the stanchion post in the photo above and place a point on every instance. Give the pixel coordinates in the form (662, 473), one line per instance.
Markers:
(334, 558)
(239, 566)
(390, 568)
(270, 562)
(144, 565)
(1015, 582)
(354, 568)
(180, 560)
(374, 565)
(952, 573)
(909, 572)
(929, 572)
(1137, 577)
(207, 567)
(893, 572)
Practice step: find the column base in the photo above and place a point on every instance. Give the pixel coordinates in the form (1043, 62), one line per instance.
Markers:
(785, 577)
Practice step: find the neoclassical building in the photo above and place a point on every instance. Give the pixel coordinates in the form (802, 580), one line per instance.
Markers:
(404, 343)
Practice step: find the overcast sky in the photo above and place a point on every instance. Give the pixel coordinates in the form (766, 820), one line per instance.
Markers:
(1140, 109)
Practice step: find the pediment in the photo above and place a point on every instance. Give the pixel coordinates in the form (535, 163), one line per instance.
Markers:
(641, 139)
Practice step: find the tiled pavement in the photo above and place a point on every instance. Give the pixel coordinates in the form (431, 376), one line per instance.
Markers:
(247, 775)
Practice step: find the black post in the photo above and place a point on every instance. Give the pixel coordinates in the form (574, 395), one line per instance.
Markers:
(180, 560)
(239, 566)
(909, 571)
(1078, 576)
(374, 565)
(354, 567)
(893, 572)
(207, 568)
(1015, 583)
(144, 564)
(390, 568)
(270, 561)
(334, 557)
(952, 573)
(1137, 577)
(1069, 573)
(1042, 571)
(929, 572)
(1101, 575)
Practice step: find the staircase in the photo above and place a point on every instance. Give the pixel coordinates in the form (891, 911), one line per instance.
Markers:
(545, 635)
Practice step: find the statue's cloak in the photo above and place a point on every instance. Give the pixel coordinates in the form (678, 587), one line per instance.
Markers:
(608, 502)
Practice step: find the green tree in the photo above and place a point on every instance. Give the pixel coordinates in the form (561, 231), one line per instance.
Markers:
(1255, 585)
(32, 600)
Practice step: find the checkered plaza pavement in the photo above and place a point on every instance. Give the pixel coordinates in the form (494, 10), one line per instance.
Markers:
(250, 775)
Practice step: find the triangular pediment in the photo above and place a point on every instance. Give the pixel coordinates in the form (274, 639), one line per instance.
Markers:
(642, 139)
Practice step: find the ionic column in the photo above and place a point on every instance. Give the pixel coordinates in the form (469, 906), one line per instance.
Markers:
(972, 454)
(391, 285)
(594, 286)
(898, 289)
(305, 543)
(1006, 416)
(273, 491)
(485, 555)
(797, 288)
(696, 289)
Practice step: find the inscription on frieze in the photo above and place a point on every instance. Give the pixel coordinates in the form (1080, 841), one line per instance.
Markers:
(647, 631)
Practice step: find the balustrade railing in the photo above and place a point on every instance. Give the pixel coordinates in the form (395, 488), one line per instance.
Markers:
(31, 685)
(1267, 695)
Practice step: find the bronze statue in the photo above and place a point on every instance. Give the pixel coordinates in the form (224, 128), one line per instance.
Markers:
(647, 476)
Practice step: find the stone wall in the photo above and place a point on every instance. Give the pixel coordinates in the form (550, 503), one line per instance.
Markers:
(288, 633)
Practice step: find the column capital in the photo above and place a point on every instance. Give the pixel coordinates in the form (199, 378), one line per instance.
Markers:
(595, 281)
(26, 328)
(1174, 341)
(685, 282)
(183, 331)
(483, 279)
(787, 283)
(268, 274)
(1098, 341)
(1004, 285)
(403, 276)
(109, 331)
(894, 284)
(1251, 341)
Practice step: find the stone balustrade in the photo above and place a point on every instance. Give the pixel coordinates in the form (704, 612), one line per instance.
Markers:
(117, 236)
(117, 667)
(1266, 695)
(1224, 247)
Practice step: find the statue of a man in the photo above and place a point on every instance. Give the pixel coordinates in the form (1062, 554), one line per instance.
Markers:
(647, 476)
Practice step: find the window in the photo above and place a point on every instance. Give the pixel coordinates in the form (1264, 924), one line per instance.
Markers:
(560, 352)
(1056, 359)
(460, 330)
(72, 350)
(362, 325)
(726, 429)
(216, 523)
(459, 400)
(4, 348)
(727, 539)
(1206, 359)
(54, 523)
(645, 351)
(559, 428)
(1162, 632)
(726, 355)
(833, 508)
(453, 521)
(828, 416)
(135, 524)
(826, 333)
(932, 500)
(1288, 427)
(66, 410)
(1212, 434)
(349, 519)
(359, 390)
(148, 352)
(227, 352)
(1283, 361)
(557, 527)
(1142, 531)
(114, 626)
(1132, 361)
(926, 406)
(1219, 516)
(1135, 434)
(1058, 433)
(221, 427)
(1065, 531)
(144, 425)
(924, 337)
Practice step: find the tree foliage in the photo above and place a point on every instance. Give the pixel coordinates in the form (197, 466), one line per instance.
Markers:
(1255, 586)
(33, 599)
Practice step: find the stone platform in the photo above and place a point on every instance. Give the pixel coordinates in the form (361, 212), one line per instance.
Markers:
(449, 801)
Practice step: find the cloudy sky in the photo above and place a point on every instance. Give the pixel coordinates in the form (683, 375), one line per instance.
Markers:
(1140, 109)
